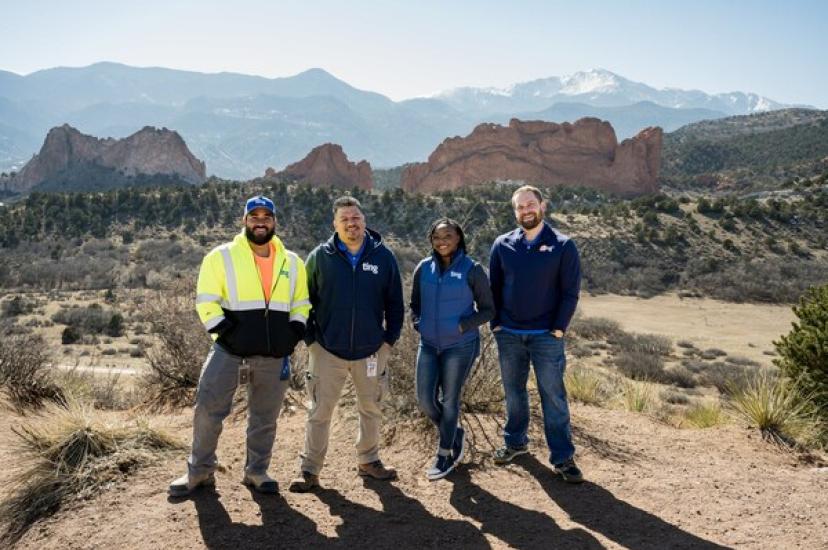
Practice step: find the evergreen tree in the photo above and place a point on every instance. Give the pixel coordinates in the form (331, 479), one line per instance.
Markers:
(803, 352)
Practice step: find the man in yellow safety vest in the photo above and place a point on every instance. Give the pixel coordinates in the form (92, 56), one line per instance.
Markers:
(252, 297)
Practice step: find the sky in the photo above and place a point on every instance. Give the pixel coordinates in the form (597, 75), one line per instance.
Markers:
(409, 49)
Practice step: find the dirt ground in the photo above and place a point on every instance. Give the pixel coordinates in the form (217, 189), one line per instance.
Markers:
(649, 486)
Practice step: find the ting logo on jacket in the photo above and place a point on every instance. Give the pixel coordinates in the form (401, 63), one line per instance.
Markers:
(456, 275)
(370, 267)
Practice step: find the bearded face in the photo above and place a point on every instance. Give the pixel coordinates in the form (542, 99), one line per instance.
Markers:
(529, 210)
(259, 226)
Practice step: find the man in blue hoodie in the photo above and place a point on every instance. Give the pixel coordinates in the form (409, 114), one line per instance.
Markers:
(356, 294)
(535, 276)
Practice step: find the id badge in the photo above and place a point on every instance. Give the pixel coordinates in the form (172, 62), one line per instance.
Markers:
(372, 366)
(244, 373)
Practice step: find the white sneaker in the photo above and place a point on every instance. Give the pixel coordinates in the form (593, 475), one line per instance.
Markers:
(185, 484)
(261, 483)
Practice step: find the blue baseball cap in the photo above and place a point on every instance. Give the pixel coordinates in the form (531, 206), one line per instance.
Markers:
(259, 201)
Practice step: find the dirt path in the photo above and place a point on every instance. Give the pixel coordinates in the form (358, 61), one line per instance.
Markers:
(650, 486)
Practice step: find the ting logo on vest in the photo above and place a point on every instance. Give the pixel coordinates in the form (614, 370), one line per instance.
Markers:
(456, 275)
(370, 267)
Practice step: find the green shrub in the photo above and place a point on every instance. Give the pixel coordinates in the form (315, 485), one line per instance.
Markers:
(25, 374)
(680, 376)
(596, 328)
(644, 343)
(70, 335)
(803, 352)
(725, 377)
(640, 365)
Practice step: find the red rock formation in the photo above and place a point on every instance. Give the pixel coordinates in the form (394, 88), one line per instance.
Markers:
(149, 151)
(584, 153)
(328, 165)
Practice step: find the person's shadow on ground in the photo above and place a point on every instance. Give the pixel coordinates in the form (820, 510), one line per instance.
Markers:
(512, 524)
(282, 527)
(600, 511)
(403, 522)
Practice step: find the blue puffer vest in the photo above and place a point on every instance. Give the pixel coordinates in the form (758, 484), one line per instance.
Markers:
(445, 298)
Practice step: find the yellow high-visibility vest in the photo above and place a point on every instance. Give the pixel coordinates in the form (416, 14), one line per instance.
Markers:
(231, 303)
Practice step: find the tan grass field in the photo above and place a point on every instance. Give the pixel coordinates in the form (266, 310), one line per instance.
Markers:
(746, 330)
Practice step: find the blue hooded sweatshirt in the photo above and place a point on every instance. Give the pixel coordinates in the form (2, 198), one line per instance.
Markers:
(356, 307)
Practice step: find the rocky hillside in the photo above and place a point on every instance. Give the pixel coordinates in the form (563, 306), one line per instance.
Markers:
(585, 153)
(72, 161)
(747, 152)
(734, 248)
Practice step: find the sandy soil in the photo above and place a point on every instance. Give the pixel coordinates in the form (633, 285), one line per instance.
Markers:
(746, 330)
(649, 486)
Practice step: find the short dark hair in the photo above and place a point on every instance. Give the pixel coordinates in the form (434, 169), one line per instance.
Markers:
(344, 202)
(523, 188)
(454, 225)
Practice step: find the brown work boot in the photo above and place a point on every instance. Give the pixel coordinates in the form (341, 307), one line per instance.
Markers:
(305, 483)
(376, 470)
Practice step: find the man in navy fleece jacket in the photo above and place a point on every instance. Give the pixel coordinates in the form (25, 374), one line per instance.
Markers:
(535, 275)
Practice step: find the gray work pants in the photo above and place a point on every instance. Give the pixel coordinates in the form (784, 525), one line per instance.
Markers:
(214, 400)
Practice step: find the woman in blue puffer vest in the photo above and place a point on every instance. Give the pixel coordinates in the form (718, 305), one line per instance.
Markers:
(450, 299)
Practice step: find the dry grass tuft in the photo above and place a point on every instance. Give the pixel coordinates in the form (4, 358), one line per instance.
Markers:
(705, 414)
(775, 407)
(24, 372)
(71, 453)
(637, 396)
(584, 385)
(106, 392)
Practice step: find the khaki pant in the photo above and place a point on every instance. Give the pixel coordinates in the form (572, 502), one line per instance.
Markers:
(214, 400)
(326, 377)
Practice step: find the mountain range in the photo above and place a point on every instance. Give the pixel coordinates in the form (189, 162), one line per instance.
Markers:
(241, 124)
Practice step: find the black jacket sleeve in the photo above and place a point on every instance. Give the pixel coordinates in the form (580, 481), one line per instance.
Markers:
(394, 305)
(483, 300)
(496, 283)
(414, 303)
(569, 286)
(313, 294)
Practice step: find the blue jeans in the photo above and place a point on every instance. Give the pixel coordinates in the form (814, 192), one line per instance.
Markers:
(547, 355)
(439, 380)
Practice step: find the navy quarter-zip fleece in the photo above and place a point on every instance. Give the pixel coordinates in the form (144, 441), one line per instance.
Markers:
(355, 307)
(535, 286)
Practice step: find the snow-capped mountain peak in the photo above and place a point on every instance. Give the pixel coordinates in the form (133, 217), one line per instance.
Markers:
(598, 87)
(593, 81)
